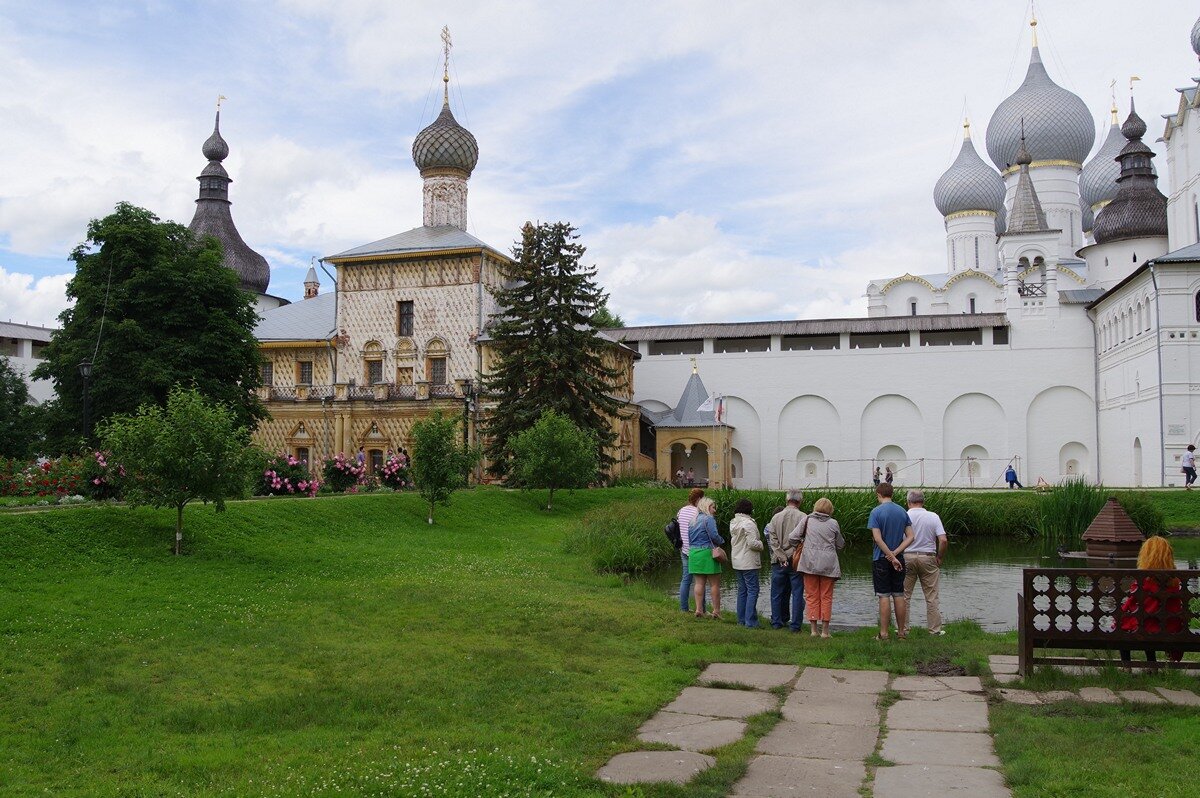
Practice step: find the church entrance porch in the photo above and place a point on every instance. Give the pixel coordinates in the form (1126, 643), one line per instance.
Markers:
(692, 460)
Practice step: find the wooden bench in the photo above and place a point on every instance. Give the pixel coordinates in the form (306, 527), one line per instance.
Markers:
(1085, 609)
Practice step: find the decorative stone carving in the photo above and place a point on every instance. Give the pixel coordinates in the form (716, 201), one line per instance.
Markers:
(445, 201)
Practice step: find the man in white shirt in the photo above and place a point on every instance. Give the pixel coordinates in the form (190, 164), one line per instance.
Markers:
(1189, 467)
(923, 559)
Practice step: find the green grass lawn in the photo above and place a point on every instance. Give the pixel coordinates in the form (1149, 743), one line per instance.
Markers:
(341, 646)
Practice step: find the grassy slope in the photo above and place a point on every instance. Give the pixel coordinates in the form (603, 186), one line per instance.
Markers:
(341, 645)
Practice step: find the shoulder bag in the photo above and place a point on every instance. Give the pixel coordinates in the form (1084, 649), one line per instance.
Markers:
(800, 546)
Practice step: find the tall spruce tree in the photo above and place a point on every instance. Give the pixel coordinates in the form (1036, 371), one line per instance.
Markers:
(549, 355)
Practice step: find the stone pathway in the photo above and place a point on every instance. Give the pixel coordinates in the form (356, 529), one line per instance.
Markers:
(1004, 671)
(937, 735)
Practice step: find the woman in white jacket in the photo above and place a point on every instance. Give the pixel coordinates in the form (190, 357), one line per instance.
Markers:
(746, 546)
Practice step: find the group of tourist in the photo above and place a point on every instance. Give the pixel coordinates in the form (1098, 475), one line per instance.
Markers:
(803, 549)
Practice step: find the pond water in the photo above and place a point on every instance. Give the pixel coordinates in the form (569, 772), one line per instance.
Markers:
(980, 580)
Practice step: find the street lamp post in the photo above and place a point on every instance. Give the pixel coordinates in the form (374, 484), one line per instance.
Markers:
(468, 392)
(85, 371)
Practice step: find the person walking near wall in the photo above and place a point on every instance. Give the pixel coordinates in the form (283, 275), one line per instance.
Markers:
(888, 476)
(783, 576)
(893, 534)
(876, 477)
(923, 560)
(1189, 467)
(745, 547)
(1010, 476)
(819, 564)
(686, 517)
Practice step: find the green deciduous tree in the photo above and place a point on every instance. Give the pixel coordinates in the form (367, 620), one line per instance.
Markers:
(549, 354)
(554, 453)
(18, 419)
(165, 311)
(191, 449)
(605, 319)
(440, 463)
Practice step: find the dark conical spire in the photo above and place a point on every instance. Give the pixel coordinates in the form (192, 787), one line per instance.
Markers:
(1027, 215)
(1139, 210)
(213, 216)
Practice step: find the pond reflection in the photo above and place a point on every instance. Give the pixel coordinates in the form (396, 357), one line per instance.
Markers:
(980, 580)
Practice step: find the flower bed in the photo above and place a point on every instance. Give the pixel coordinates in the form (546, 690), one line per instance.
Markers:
(286, 475)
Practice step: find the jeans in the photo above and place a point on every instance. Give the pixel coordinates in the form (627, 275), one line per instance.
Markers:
(783, 577)
(747, 598)
(685, 588)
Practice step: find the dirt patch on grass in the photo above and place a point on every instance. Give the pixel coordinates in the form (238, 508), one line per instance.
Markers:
(940, 667)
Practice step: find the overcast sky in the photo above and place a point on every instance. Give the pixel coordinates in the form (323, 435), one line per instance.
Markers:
(723, 160)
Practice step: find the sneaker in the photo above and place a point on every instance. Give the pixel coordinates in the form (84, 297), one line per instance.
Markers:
(939, 632)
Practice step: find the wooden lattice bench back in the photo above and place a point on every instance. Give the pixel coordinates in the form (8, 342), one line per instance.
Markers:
(1107, 608)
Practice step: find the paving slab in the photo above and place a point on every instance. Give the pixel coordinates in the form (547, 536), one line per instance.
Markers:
(961, 716)
(718, 703)
(789, 776)
(1183, 698)
(1052, 696)
(1142, 697)
(1020, 696)
(968, 684)
(1098, 695)
(943, 695)
(1011, 659)
(1003, 667)
(925, 683)
(644, 767)
(819, 741)
(1006, 678)
(935, 781)
(706, 735)
(966, 749)
(830, 680)
(762, 677)
(841, 709)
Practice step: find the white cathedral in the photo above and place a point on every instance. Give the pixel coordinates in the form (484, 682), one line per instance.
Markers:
(1061, 337)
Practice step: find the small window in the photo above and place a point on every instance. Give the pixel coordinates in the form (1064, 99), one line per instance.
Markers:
(976, 253)
(912, 307)
(404, 375)
(404, 317)
(1198, 307)
(268, 374)
(302, 453)
(437, 370)
(374, 372)
(1000, 336)
(304, 372)
(971, 305)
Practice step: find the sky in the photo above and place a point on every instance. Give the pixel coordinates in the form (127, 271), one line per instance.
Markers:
(723, 161)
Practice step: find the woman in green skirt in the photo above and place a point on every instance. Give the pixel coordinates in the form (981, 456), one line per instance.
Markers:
(702, 537)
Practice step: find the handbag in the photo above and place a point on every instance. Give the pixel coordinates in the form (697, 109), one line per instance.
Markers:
(719, 554)
(800, 546)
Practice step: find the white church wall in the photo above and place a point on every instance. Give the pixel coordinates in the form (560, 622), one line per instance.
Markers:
(973, 425)
(849, 404)
(1183, 180)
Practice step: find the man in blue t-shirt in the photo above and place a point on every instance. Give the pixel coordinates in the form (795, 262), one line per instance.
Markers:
(893, 534)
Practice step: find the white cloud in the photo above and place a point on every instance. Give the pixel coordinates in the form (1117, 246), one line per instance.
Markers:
(26, 300)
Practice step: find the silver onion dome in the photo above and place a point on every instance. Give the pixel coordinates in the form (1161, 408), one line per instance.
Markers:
(1098, 181)
(1196, 38)
(1058, 126)
(969, 184)
(445, 144)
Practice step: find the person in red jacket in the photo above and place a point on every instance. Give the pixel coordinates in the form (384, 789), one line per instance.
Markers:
(1152, 594)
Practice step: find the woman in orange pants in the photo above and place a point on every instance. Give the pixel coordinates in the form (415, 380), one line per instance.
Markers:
(822, 539)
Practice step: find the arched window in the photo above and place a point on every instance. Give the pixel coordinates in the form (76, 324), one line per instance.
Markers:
(1198, 306)
(912, 305)
(976, 252)
(971, 303)
(1147, 314)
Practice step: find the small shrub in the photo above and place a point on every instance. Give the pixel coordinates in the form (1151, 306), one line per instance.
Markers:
(101, 479)
(284, 475)
(342, 473)
(395, 474)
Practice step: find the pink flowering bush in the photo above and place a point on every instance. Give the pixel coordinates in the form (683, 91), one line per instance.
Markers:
(395, 474)
(344, 474)
(100, 477)
(285, 475)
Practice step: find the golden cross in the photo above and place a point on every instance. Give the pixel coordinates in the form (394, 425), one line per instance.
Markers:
(446, 45)
(219, 98)
(1132, 78)
(693, 365)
